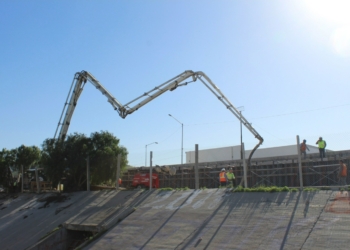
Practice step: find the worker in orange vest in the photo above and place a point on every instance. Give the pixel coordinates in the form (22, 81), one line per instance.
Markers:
(303, 148)
(343, 172)
(223, 178)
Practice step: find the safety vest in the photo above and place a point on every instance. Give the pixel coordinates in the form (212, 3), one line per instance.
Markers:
(230, 176)
(344, 171)
(321, 144)
(222, 177)
(303, 147)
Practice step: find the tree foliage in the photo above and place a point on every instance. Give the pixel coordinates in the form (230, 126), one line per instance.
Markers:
(68, 159)
(103, 157)
(53, 159)
(27, 157)
(6, 159)
(14, 159)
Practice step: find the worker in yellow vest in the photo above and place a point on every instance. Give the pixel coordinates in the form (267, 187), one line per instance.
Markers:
(321, 147)
(231, 177)
(343, 173)
(223, 178)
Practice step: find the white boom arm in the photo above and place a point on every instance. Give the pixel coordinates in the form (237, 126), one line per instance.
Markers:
(82, 77)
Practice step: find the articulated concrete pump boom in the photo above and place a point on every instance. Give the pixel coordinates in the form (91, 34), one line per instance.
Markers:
(82, 77)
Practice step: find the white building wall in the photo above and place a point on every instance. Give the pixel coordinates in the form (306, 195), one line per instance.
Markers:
(234, 153)
(215, 154)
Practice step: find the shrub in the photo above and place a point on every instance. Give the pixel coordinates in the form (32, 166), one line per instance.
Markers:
(182, 189)
(266, 189)
(309, 189)
(275, 189)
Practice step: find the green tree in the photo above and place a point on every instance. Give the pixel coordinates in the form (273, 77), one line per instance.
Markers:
(68, 159)
(77, 147)
(103, 157)
(53, 159)
(7, 159)
(14, 159)
(27, 157)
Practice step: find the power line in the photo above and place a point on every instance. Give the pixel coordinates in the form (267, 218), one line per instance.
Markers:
(169, 135)
(271, 116)
(209, 123)
(271, 134)
(305, 111)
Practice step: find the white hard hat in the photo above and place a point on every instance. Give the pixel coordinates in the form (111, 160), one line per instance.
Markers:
(223, 169)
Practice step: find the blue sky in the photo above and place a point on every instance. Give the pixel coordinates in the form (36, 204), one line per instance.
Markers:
(286, 62)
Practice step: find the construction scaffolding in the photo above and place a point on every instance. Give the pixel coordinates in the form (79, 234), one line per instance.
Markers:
(278, 172)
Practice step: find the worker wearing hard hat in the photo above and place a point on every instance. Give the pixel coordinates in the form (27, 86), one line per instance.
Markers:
(321, 147)
(231, 177)
(223, 178)
(303, 148)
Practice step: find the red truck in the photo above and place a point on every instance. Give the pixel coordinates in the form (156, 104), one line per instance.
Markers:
(142, 180)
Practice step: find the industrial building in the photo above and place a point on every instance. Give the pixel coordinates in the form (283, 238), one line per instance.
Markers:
(233, 153)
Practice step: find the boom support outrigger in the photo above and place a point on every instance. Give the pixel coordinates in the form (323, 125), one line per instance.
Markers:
(82, 77)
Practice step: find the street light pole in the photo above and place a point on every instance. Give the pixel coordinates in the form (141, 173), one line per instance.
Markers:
(182, 137)
(240, 112)
(241, 127)
(146, 151)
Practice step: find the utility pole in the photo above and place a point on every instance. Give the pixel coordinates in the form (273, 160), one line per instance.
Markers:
(150, 171)
(118, 172)
(241, 108)
(88, 173)
(299, 164)
(196, 174)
